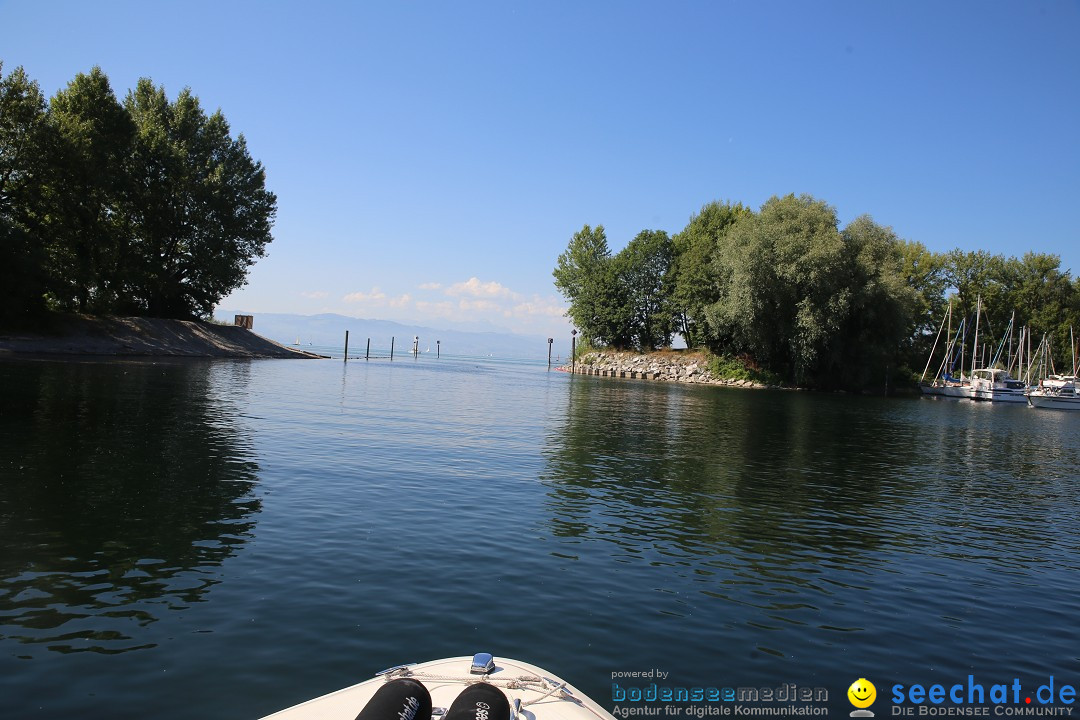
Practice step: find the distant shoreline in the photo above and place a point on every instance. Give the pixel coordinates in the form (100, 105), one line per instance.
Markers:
(84, 335)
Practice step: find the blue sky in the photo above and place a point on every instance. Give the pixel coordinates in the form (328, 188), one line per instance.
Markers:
(432, 159)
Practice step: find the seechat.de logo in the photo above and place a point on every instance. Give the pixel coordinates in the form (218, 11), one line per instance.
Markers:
(862, 694)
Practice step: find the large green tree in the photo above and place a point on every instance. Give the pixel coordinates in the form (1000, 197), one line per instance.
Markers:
(201, 210)
(883, 305)
(148, 206)
(87, 233)
(693, 286)
(1044, 298)
(783, 286)
(643, 270)
(976, 277)
(23, 141)
(587, 276)
(924, 272)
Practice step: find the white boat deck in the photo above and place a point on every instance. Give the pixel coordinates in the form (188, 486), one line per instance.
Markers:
(542, 696)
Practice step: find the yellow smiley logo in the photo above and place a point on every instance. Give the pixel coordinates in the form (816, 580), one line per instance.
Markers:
(862, 693)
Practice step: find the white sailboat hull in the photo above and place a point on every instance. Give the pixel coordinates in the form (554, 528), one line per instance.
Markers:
(1054, 403)
(995, 385)
(1000, 395)
(949, 391)
(957, 391)
(1057, 392)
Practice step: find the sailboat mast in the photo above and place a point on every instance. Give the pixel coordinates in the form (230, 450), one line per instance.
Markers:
(948, 315)
(1030, 363)
(1072, 346)
(963, 347)
(1020, 352)
(975, 349)
(931, 358)
(1012, 321)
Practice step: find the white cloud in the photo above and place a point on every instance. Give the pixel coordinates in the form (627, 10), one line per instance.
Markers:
(474, 287)
(540, 307)
(473, 301)
(377, 298)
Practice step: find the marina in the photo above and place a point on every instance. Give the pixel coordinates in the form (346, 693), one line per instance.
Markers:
(1037, 385)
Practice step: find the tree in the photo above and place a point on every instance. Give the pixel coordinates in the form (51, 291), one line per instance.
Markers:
(201, 211)
(693, 285)
(977, 276)
(23, 140)
(643, 270)
(924, 272)
(1044, 298)
(586, 275)
(148, 206)
(883, 304)
(88, 187)
(783, 290)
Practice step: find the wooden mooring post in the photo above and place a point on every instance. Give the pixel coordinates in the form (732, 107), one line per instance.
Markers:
(391, 348)
(346, 346)
(367, 353)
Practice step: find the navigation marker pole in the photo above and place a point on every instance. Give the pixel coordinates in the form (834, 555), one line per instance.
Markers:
(573, 351)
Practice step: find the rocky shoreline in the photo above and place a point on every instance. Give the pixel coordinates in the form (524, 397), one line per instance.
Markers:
(664, 366)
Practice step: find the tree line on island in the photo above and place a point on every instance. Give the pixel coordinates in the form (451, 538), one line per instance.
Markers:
(144, 207)
(786, 293)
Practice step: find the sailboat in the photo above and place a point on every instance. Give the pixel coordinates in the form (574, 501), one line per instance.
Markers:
(994, 383)
(943, 383)
(1056, 392)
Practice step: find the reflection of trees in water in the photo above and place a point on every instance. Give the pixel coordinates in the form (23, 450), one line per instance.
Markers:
(779, 500)
(125, 486)
(765, 489)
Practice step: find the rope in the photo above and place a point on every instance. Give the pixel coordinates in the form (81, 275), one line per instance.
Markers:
(554, 689)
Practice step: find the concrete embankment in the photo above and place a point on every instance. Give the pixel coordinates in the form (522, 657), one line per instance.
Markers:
(663, 366)
(138, 336)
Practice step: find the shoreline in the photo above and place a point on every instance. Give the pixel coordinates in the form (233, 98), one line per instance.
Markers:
(661, 366)
(69, 336)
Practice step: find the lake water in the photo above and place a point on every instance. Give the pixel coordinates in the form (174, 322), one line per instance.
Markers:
(222, 539)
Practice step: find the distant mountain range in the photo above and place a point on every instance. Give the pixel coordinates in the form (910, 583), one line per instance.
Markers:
(328, 331)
